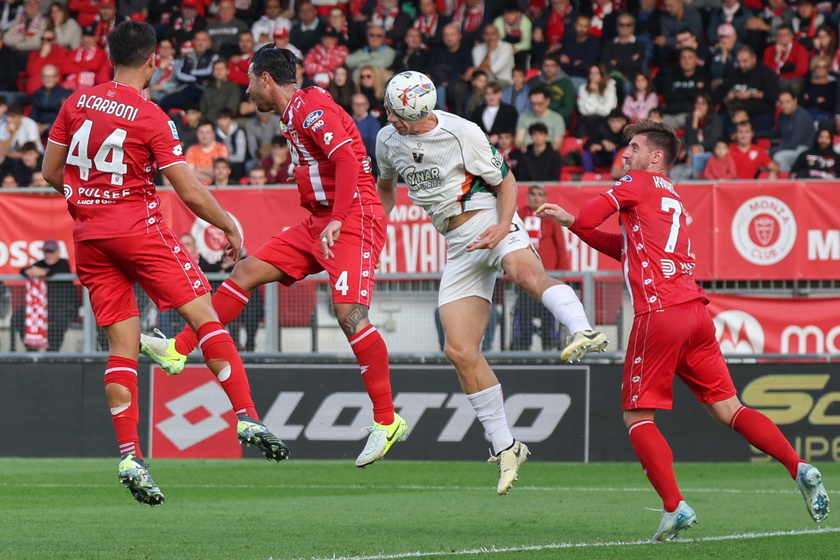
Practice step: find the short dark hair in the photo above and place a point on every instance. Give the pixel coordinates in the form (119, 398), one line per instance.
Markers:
(131, 43)
(537, 127)
(29, 147)
(660, 135)
(225, 112)
(205, 122)
(224, 161)
(281, 64)
(279, 141)
(540, 90)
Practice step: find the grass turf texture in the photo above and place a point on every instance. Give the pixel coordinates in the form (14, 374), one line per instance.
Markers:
(255, 510)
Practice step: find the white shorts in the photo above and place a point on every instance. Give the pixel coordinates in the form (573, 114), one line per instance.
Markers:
(474, 273)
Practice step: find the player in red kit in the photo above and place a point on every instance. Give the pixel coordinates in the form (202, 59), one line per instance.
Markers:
(672, 330)
(343, 235)
(104, 149)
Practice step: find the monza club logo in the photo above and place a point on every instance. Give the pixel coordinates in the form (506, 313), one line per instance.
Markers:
(764, 230)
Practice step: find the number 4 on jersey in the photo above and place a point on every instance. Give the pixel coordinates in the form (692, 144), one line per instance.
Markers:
(112, 147)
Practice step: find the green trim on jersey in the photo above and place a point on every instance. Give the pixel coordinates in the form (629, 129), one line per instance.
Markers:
(480, 185)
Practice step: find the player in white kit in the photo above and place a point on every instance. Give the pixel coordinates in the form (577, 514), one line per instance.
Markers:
(459, 178)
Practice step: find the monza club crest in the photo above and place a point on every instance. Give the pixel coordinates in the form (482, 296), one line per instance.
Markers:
(764, 230)
(210, 240)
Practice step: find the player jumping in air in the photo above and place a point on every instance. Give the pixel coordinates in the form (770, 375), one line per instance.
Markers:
(672, 330)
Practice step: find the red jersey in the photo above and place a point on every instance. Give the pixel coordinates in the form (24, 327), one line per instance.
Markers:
(116, 141)
(750, 162)
(316, 126)
(654, 246)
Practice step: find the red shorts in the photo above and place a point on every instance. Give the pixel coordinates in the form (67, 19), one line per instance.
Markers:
(109, 268)
(298, 253)
(680, 339)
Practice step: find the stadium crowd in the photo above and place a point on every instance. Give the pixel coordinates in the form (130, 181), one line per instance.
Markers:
(748, 84)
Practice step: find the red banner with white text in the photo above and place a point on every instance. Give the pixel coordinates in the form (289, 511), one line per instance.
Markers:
(739, 230)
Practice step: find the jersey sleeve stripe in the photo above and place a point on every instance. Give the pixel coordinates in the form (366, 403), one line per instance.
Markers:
(338, 146)
(171, 164)
(614, 200)
(58, 143)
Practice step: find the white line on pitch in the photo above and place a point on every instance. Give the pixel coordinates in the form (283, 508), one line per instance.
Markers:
(557, 546)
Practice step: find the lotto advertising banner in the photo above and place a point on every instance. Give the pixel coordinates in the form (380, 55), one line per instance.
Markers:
(783, 230)
(756, 325)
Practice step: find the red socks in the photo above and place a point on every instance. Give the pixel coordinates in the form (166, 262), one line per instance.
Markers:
(765, 436)
(228, 301)
(216, 344)
(123, 371)
(657, 461)
(372, 355)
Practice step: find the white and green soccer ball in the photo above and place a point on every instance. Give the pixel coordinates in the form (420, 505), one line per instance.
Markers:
(410, 96)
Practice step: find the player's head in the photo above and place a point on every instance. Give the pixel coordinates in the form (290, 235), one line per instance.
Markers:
(410, 97)
(270, 68)
(653, 146)
(131, 43)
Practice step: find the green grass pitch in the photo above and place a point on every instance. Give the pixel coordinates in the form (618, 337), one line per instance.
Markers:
(254, 510)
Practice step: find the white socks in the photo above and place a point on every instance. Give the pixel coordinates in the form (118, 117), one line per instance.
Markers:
(489, 406)
(564, 304)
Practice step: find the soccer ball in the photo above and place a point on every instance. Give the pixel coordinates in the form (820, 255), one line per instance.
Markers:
(410, 96)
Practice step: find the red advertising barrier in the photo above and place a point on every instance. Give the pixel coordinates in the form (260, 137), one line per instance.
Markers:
(739, 230)
(756, 325)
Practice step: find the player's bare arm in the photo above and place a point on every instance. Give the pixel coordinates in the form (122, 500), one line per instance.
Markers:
(199, 200)
(506, 197)
(387, 191)
(53, 165)
(556, 213)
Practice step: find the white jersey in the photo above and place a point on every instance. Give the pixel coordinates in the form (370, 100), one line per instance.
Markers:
(449, 170)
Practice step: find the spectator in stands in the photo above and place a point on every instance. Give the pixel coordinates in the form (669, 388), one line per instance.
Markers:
(376, 53)
(349, 34)
(750, 158)
(47, 100)
(368, 125)
(233, 137)
(222, 173)
(677, 16)
(105, 22)
(679, 86)
(818, 162)
(29, 163)
(819, 92)
(788, 59)
(450, 65)
(342, 89)
(277, 163)
(161, 13)
(282, 41)
(256, 177)
(559, 85)
(761, 28)
(595, 99)
(703, 129)
(753, 87)
(648, 26)
(61, 307)
(86, 66)
(200, 157)
(603, 14)
(580, 51)
(540, 99)
(320, 62)
(259, 130)
(388, 15)
(238, 64)
(493, 116)
(50, 53)
(624, 56)
(805, 22)
(24, 35)
(263, 28)
(548, 240)
(413, 56)
(188, 125)
(551, 28)
(795, 127)
(9, 64)
(84, 10)
(196, 72)
(471, 16)
(307, 28)
(224, 30)
(508, 150)
(641, 100)
(723, 53)
(474, 95)
(686, 39)
(721, 165)
(221, 93)
(184, 27)
(17, 131)
(9, 182)
(732, 12)
(541, 160)
(494, 56)
(517, 93)
(516, 29)
(163, 79)
(430, 23)
(825, 44)
(68, 32)
(605, 142)
(38, 181)
(372, 84)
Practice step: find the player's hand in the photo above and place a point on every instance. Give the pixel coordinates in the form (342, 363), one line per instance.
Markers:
(328, 238)
(491, 237)
(556, 213)
(234, 246)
